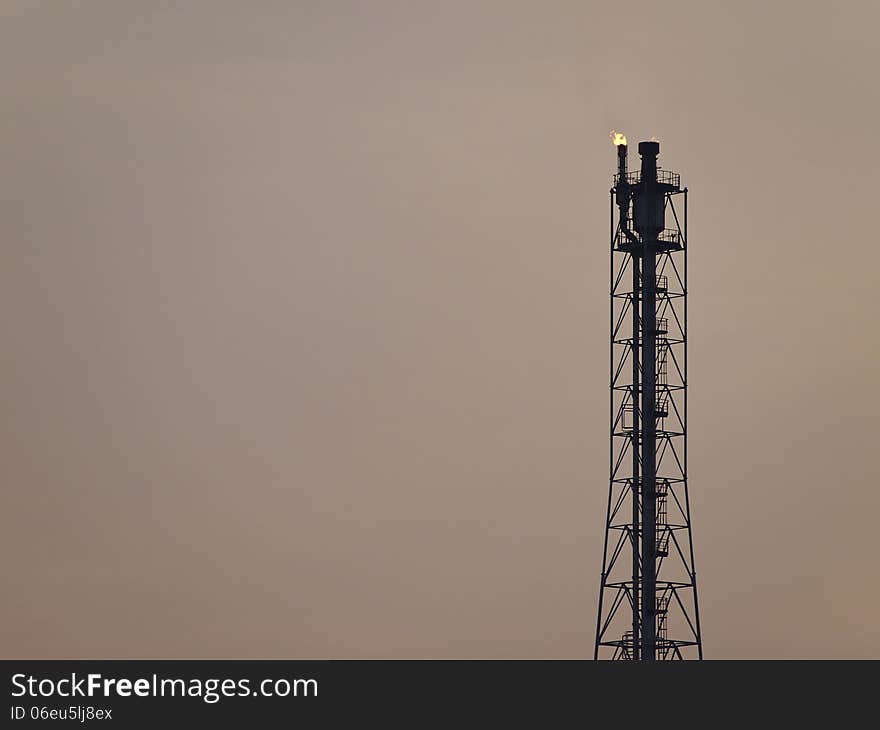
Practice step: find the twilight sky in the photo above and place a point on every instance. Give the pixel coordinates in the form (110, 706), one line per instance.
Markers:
(305, 304)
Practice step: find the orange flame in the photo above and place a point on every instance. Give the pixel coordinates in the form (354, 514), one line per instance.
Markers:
(619, 138)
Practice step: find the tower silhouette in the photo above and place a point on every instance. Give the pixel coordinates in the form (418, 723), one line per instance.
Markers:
(648, 608)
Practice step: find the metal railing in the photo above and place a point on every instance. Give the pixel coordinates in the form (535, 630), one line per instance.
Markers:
(669, 235)
(662, 367)
(627, 417)
(667, 177)
(661, 409)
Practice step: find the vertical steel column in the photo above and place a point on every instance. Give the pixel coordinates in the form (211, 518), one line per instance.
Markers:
(649, 222)
(634, 485)
(604, 575)
(636, 517)
(699, 631)
(649, 450)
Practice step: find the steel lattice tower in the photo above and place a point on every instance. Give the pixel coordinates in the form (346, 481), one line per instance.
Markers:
(648, 605)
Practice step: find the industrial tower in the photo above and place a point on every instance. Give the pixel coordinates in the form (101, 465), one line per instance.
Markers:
(648, 596)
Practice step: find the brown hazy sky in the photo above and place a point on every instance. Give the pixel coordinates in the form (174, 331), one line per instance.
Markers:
(305, 305)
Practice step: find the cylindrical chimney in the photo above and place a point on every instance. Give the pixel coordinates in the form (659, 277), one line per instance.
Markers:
(621, 162)
(648, 203)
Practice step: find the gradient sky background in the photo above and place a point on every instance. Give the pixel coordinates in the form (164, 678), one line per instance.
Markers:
(304, 313)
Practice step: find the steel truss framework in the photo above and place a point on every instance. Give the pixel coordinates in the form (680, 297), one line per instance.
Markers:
(621, 626)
